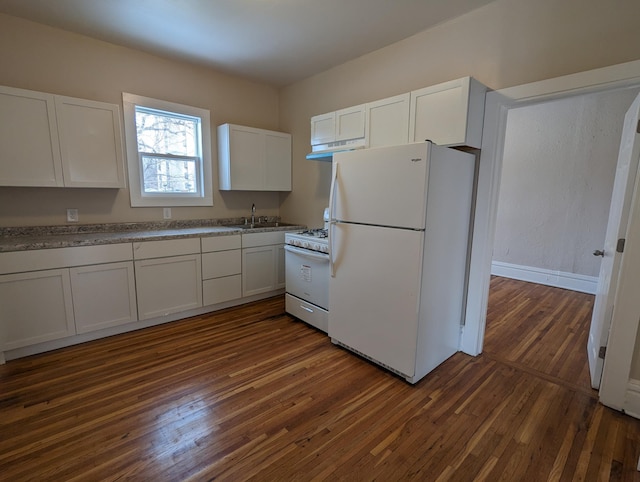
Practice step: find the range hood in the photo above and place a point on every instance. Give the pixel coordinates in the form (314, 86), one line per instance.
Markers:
(328, 155)
(325, 152)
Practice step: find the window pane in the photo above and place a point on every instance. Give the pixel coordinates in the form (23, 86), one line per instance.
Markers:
(161, 175)
(163, 133)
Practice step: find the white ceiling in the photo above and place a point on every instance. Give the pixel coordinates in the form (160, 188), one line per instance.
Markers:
(273, 41)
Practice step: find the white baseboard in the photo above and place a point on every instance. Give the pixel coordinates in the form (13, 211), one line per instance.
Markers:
(632, 398)
(559, 279)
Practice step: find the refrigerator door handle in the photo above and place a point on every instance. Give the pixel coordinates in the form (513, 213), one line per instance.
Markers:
(332, 217)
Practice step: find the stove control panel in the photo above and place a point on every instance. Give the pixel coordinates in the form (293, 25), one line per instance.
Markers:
(307, 241)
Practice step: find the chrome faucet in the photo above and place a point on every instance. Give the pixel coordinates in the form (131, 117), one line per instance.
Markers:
(253, 214)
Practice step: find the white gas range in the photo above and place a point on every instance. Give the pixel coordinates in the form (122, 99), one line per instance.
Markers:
(307, 277)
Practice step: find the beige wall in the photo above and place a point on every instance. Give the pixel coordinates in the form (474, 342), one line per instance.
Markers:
(506, 43)
(40, 58)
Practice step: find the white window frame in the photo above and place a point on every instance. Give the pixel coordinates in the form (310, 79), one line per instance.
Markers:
(140, 199)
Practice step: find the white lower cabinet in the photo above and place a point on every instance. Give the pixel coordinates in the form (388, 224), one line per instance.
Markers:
(258, 273)
(104, 295)
(168, 285)
(221, 269)
(51, 294)
(36, 307)
(262, 262)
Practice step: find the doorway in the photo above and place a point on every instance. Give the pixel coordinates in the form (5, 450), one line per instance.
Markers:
(558, 170)
(496, 112)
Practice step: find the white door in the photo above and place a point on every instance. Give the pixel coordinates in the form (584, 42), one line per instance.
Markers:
(384, 186)
(626, 172)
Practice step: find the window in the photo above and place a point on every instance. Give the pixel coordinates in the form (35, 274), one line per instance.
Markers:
(168, 153)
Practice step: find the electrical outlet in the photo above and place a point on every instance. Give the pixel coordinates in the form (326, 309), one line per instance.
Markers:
(72, 215)
(166, 213)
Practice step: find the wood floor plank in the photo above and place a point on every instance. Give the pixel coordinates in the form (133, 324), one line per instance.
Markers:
(249, 393)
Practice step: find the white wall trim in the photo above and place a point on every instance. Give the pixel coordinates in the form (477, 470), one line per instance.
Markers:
(632, 402)
(548, 277)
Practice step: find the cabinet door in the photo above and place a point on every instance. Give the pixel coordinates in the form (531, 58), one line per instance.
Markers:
(104, 295)
(277, 161)
(27, 322)
(350, 123)
(258, 270)
(439, 114)
(168, 285)
(29, 139)
(280, 267)
(251, 159)
(323, 128)
(387, 121)
(245, 158)
(90, 143)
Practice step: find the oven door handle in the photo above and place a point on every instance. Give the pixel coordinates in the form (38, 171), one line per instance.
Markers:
(306, 253)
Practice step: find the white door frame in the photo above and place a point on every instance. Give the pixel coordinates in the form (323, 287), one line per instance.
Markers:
(497, 107)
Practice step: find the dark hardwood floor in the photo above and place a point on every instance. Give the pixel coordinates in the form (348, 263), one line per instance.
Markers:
(250, 394)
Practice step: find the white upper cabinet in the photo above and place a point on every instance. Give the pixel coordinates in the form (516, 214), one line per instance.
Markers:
(449, 114)
(251, 159)
(277, 165)
(323, 128)
(90, 143)
(338, 127)
(350, 123)
(49, 140)
(28, 139)
(387, 121)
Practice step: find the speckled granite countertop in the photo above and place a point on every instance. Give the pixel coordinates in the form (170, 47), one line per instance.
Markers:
(45, 237)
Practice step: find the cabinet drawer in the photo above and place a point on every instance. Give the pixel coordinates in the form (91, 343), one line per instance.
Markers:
(221, 289)
(262, 239)
(221, 263)
(165, 248)
(23, 261)
(307, 312)
(221, 243)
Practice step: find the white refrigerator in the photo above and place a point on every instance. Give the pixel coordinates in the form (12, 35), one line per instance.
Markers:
(398, 240)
